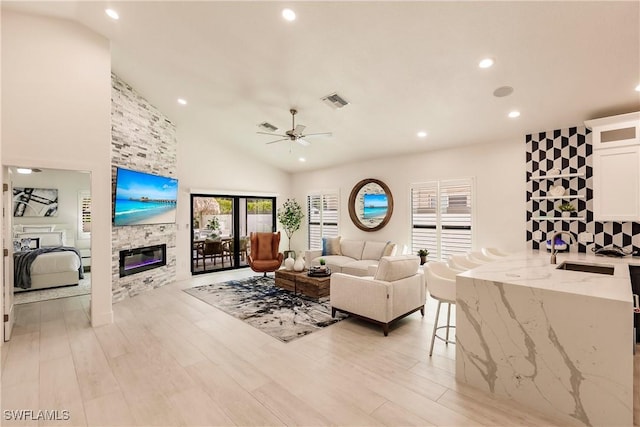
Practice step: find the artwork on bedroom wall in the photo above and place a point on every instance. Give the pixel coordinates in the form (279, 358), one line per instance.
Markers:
(35, 202)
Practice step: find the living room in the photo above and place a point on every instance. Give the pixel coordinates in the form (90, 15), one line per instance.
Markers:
(57, 113)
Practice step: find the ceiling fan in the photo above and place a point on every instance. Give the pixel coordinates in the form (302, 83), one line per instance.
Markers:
(295, 134)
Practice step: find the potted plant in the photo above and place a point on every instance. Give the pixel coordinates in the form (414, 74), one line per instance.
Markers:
(422, 253)
(290, 217)
(566, 209)
(323, 263)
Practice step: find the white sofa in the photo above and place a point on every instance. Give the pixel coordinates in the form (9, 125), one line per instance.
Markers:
(354, 256)
(396, 290)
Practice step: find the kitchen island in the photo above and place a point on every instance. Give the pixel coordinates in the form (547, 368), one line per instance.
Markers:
(559, 341)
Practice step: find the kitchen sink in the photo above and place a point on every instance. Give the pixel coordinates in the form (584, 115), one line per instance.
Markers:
(587, 268)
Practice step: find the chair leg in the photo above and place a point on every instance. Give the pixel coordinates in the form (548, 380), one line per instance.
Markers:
(435, 327)
(448, 322)
(385, 329)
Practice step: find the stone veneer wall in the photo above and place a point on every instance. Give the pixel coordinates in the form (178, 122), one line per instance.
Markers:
(142, 139)
(571, 151)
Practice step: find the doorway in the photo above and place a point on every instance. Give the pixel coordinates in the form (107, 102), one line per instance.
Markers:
(220, 229)
(49, 215)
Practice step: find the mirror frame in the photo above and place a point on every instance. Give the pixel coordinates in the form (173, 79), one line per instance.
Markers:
(358, 217)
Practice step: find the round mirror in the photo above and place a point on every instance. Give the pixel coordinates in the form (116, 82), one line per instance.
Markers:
(370, 204)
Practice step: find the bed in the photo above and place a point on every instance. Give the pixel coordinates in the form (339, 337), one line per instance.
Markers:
(47, 263)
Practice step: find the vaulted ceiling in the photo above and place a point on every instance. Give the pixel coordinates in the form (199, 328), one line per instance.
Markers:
(404, 67)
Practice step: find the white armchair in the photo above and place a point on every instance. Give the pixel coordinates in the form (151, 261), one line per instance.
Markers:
(396, 290)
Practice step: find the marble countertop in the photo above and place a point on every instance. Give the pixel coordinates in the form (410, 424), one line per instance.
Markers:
(533, 269)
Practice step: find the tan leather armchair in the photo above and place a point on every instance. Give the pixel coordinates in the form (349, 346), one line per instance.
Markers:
(263, 256)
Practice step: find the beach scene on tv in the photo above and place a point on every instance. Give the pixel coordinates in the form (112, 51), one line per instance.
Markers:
(142, 198)
(375, 206)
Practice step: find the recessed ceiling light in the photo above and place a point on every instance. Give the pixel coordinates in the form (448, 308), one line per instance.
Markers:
(486, 63)
(302, 159)
(288, 14)
(182, 101)
(514, 114)
(422, 134)
(112, 14)
(638, 88)
(24, 171)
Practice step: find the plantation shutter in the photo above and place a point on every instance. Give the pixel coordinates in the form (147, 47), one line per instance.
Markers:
(424, 233)
(441, 217)
(455, 217)
(322, 217)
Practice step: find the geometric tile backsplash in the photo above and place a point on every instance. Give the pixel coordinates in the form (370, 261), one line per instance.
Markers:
(569, 150)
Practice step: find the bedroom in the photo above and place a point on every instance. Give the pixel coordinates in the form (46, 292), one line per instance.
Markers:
(50, 208)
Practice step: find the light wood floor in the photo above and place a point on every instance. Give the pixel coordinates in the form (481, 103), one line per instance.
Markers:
(170, 359)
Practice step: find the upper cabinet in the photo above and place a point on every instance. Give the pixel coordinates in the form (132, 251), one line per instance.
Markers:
(615, 131)
(616, 167)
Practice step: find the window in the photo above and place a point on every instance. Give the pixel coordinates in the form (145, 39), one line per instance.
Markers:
(322, 218)
(84, 215)
(441, 217)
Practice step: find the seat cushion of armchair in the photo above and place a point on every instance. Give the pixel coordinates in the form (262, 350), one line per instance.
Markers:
(358, 268)
(266, 265)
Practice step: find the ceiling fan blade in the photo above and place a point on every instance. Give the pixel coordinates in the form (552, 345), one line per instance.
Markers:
(278, 140)
(327, 134)
(272, 134)
(298, 130)
(303, 142)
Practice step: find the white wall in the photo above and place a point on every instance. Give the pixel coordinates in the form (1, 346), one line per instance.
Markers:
(207, 165)
(56, 114)
(68, 184)
(499, 175)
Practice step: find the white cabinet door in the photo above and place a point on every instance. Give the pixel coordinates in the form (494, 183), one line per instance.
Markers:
(616, 184)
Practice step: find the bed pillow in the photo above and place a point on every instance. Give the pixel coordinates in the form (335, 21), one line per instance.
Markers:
(37, 228)
(53, 238)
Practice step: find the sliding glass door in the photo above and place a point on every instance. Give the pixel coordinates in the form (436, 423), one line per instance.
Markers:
(220, 229)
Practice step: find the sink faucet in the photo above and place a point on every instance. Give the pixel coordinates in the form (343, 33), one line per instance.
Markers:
(553, 243)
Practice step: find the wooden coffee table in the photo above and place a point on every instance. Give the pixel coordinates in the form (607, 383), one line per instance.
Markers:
(312, 287)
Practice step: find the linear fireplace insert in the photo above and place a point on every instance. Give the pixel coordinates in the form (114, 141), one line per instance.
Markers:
(135, 260)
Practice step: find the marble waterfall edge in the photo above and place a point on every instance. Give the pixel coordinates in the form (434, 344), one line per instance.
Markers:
(559, 352)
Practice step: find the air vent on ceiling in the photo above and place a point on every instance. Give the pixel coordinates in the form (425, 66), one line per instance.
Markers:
(334, 100)
(267, 126)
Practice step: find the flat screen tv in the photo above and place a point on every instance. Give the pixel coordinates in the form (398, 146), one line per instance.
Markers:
(143, 198)
(375, 205)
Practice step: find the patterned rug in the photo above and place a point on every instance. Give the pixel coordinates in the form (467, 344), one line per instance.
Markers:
(277, 312)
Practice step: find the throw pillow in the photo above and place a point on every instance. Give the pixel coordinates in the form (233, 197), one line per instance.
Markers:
(330, 246)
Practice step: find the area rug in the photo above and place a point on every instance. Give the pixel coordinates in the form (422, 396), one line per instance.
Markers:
(258, 302)
(26, 297)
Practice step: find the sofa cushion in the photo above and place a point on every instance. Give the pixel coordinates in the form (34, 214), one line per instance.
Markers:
(331, 246)
(359, 268)
(352, 248)
(373, 250)
(333, 261)
(395, 268)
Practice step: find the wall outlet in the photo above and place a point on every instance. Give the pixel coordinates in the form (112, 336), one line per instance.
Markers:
(585, 237)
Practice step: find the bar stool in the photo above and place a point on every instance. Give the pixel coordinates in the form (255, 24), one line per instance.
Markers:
(461, 262)
(441, 284)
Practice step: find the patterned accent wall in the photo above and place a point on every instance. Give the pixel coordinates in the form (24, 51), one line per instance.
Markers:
(142, 139)
(569, 150)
